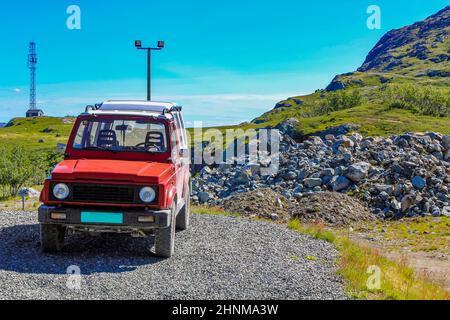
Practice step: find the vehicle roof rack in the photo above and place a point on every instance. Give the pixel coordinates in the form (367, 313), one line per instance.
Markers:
(134, 106)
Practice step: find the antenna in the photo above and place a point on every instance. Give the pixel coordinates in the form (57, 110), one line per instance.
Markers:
(32, 61)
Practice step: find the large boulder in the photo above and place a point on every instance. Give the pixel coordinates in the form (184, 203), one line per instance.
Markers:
(340, 183)
(288, 127)
(358, 171)
(29, 192)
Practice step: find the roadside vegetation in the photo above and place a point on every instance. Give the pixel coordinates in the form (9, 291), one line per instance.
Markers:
(425, 234)
(398, 280)
(20, 167)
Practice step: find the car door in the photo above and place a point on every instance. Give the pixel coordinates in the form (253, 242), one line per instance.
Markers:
(182, 157)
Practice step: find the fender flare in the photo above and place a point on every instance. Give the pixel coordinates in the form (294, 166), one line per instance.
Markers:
(171, 194)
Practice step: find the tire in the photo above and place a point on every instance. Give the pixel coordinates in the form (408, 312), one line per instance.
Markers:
(165, 238)
(184, 215)
(52, 238)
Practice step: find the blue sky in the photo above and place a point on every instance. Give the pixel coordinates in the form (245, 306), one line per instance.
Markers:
(224, 61)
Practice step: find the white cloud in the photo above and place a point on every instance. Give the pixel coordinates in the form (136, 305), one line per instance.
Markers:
(17, 90)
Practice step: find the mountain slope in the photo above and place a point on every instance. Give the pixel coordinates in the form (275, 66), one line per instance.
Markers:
(423, 44)
(403, 85)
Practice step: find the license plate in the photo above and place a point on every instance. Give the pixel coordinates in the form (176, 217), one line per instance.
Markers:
(102, 217)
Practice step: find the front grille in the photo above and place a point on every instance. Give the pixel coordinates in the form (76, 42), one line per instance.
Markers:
(103, 193)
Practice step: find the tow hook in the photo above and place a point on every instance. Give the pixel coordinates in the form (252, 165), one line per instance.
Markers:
(138, 234)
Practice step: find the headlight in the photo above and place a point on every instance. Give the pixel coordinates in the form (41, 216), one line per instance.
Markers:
(147, 194)
(61, 191)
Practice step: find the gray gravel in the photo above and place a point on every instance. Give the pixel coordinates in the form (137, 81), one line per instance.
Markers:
(217, 258)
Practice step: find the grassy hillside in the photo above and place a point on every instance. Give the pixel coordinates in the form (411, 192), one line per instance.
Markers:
(36, 133)
(373, 114)
(413, 60)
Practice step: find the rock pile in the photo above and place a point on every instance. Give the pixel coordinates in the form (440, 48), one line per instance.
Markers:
(403, 175)
(263, 203)
(331, 208)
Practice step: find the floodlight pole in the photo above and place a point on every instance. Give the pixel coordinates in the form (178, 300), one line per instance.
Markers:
(149, 87)
(138, 46)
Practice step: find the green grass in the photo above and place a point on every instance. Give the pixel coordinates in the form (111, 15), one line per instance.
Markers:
(213, 211)
(373, 115)
(28, 132)
(317, 231)
(399, 282)
(420, 234)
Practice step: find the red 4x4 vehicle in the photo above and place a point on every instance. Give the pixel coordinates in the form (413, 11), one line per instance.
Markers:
(126, 170)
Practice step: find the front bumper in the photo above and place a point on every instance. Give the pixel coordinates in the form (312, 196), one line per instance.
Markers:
(162, 218)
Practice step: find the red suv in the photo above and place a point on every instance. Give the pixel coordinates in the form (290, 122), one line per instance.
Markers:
(125, 170)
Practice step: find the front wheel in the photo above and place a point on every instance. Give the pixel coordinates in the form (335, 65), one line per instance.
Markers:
(165, 238)
(52, 238)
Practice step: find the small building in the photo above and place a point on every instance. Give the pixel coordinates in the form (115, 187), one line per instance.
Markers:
(34, 113)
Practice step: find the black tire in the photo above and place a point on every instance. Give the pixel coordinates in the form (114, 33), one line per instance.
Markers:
(52, 238)
(184, 215)
(165, 238)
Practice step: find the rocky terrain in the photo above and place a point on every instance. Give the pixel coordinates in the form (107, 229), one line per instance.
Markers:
(405, 47)
(401, 176)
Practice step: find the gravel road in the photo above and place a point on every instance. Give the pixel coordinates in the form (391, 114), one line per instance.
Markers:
(217, 258)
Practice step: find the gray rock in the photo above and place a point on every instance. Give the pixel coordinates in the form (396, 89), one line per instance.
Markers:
(389, 189)
(274, 216)
(29, 192)
(447, 155)
(446, 211)
(358, 171)
(203, 197)
(407, 203)
(241, 177)
(435, 211)
(327, 172)
(341, 183)
(290, 175)
(312, 182)
(446, 142)
(288, 127)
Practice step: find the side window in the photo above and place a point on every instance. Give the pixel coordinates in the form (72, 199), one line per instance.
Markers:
(180, 130)
(85, 135)
(173, 139)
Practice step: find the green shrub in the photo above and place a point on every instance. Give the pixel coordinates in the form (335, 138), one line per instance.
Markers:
(430, 101)
(19, 167)
(334, 101)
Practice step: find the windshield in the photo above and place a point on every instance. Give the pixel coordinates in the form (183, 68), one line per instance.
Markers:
(121, 135)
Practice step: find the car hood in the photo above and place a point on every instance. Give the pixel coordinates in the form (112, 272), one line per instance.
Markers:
(113, 170)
